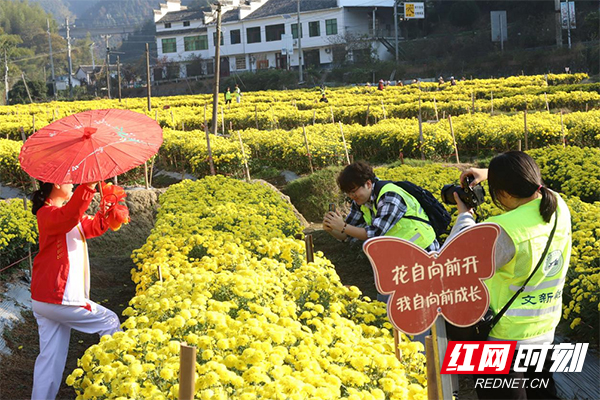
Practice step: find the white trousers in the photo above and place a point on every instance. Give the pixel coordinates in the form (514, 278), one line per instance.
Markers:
(55, 322)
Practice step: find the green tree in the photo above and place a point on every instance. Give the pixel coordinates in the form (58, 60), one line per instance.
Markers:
(18, 93)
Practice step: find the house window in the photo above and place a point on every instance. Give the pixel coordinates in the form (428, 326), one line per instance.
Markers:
(194, 43)
(274, 32)
(262, 64)
(295, 31)
(215, 38)
(235, 36)
(167, 25)
(253, 35)
(186, 23)
(331, 26)
(314, 29)
(240, 63)
(169, 45)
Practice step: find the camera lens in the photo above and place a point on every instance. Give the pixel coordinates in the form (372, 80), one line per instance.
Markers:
(448, 194)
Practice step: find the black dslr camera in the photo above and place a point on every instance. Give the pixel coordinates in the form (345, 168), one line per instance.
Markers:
(471, 196)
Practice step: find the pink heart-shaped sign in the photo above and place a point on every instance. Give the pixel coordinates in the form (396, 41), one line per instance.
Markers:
(424, 285)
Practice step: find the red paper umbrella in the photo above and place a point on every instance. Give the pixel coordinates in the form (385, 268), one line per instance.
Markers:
(90, 146)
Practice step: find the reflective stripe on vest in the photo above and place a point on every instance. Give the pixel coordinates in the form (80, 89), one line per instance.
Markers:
(537, 310)
(417, 232)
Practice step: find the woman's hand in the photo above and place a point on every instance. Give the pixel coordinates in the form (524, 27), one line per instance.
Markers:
(333, 221)
(478, 175)
(462, 207)
(91, 185)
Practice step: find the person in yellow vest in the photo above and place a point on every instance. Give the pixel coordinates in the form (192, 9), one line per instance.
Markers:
(382, 216)
(516, 186)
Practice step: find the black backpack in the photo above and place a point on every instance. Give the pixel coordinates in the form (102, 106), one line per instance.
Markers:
(439, 218)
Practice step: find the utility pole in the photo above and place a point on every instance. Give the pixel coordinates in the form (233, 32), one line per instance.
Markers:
(119, 76)
(300, 58)
(107, 64)
(215, 117)
(51, 61)
(396, 26)
(568, 24)
(92, 54)
(5, 78)
(148, 77)
(69, 57)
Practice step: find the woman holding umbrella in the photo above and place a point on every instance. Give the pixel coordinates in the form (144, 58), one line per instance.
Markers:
(87, 147)
(60, 281)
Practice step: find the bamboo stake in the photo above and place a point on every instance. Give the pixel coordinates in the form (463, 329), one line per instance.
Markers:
(431, 375)
(562, 129)
(256, 115)
(453, 138)
(307, 150)
(187, 372)
(367, 119)
(151, 171)
(526, 131)
(437, 117)
(344, 141)
(314, 116)
(222, 122)
(397, 339)
(383, 108)
(33, 182)
(172, 119)
(492, 101)
(421, 130)
(547, 105)
(146, 174)
(332, 119)
(244, 157)
(308, 242)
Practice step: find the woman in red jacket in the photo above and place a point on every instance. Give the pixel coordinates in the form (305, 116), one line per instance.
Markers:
(60, 283)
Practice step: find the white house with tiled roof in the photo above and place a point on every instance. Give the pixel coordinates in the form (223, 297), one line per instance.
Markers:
(262, 34)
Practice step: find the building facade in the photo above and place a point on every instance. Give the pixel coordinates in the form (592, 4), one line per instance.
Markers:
(263, 34)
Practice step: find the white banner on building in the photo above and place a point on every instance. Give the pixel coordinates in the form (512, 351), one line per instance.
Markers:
(567, 12)
(414, 10)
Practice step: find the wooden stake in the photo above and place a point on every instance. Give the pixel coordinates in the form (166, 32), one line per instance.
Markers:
(244, 157)
(332, 119)
(472, 101)
(367, 119)
(437, 118)
(28, 244)
(344, 141)
(151, 171)
(256, 116)
(172, 119)
(211, 164)
(492, 101)
(453, 138)
(547, 105)
(526, 132)
(314, 116)
(33, 181)
(187, 372)
(33, 124)
(431, 375)
(308, 242)
(421, 131)
(307, 150)
(146, 174)
(562, 129)
(383, 108)
(159, 273)
(440, 344)
(397, 344)
(222, 122)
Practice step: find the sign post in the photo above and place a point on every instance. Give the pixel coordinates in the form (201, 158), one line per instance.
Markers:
(414, 10)
(423, 286)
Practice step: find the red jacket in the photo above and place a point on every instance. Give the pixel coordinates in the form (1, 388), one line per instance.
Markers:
(61, 270)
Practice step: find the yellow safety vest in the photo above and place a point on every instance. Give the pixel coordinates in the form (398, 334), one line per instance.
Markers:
(538, 308)
(417, 232)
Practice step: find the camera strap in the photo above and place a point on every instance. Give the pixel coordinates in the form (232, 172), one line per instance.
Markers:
(540, 262)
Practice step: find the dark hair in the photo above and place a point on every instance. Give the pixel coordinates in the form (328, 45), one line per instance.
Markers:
(517, 174)
(355, 175)
(38, 198)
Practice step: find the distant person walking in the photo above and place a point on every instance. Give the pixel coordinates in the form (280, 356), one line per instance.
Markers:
(228, 96)
(380, 85)
(323, 99)
(238, 94)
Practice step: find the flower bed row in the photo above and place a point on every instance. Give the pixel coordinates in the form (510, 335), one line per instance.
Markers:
(266, 323)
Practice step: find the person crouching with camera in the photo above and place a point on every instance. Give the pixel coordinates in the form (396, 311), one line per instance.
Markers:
(382, 216)
(536, 230)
